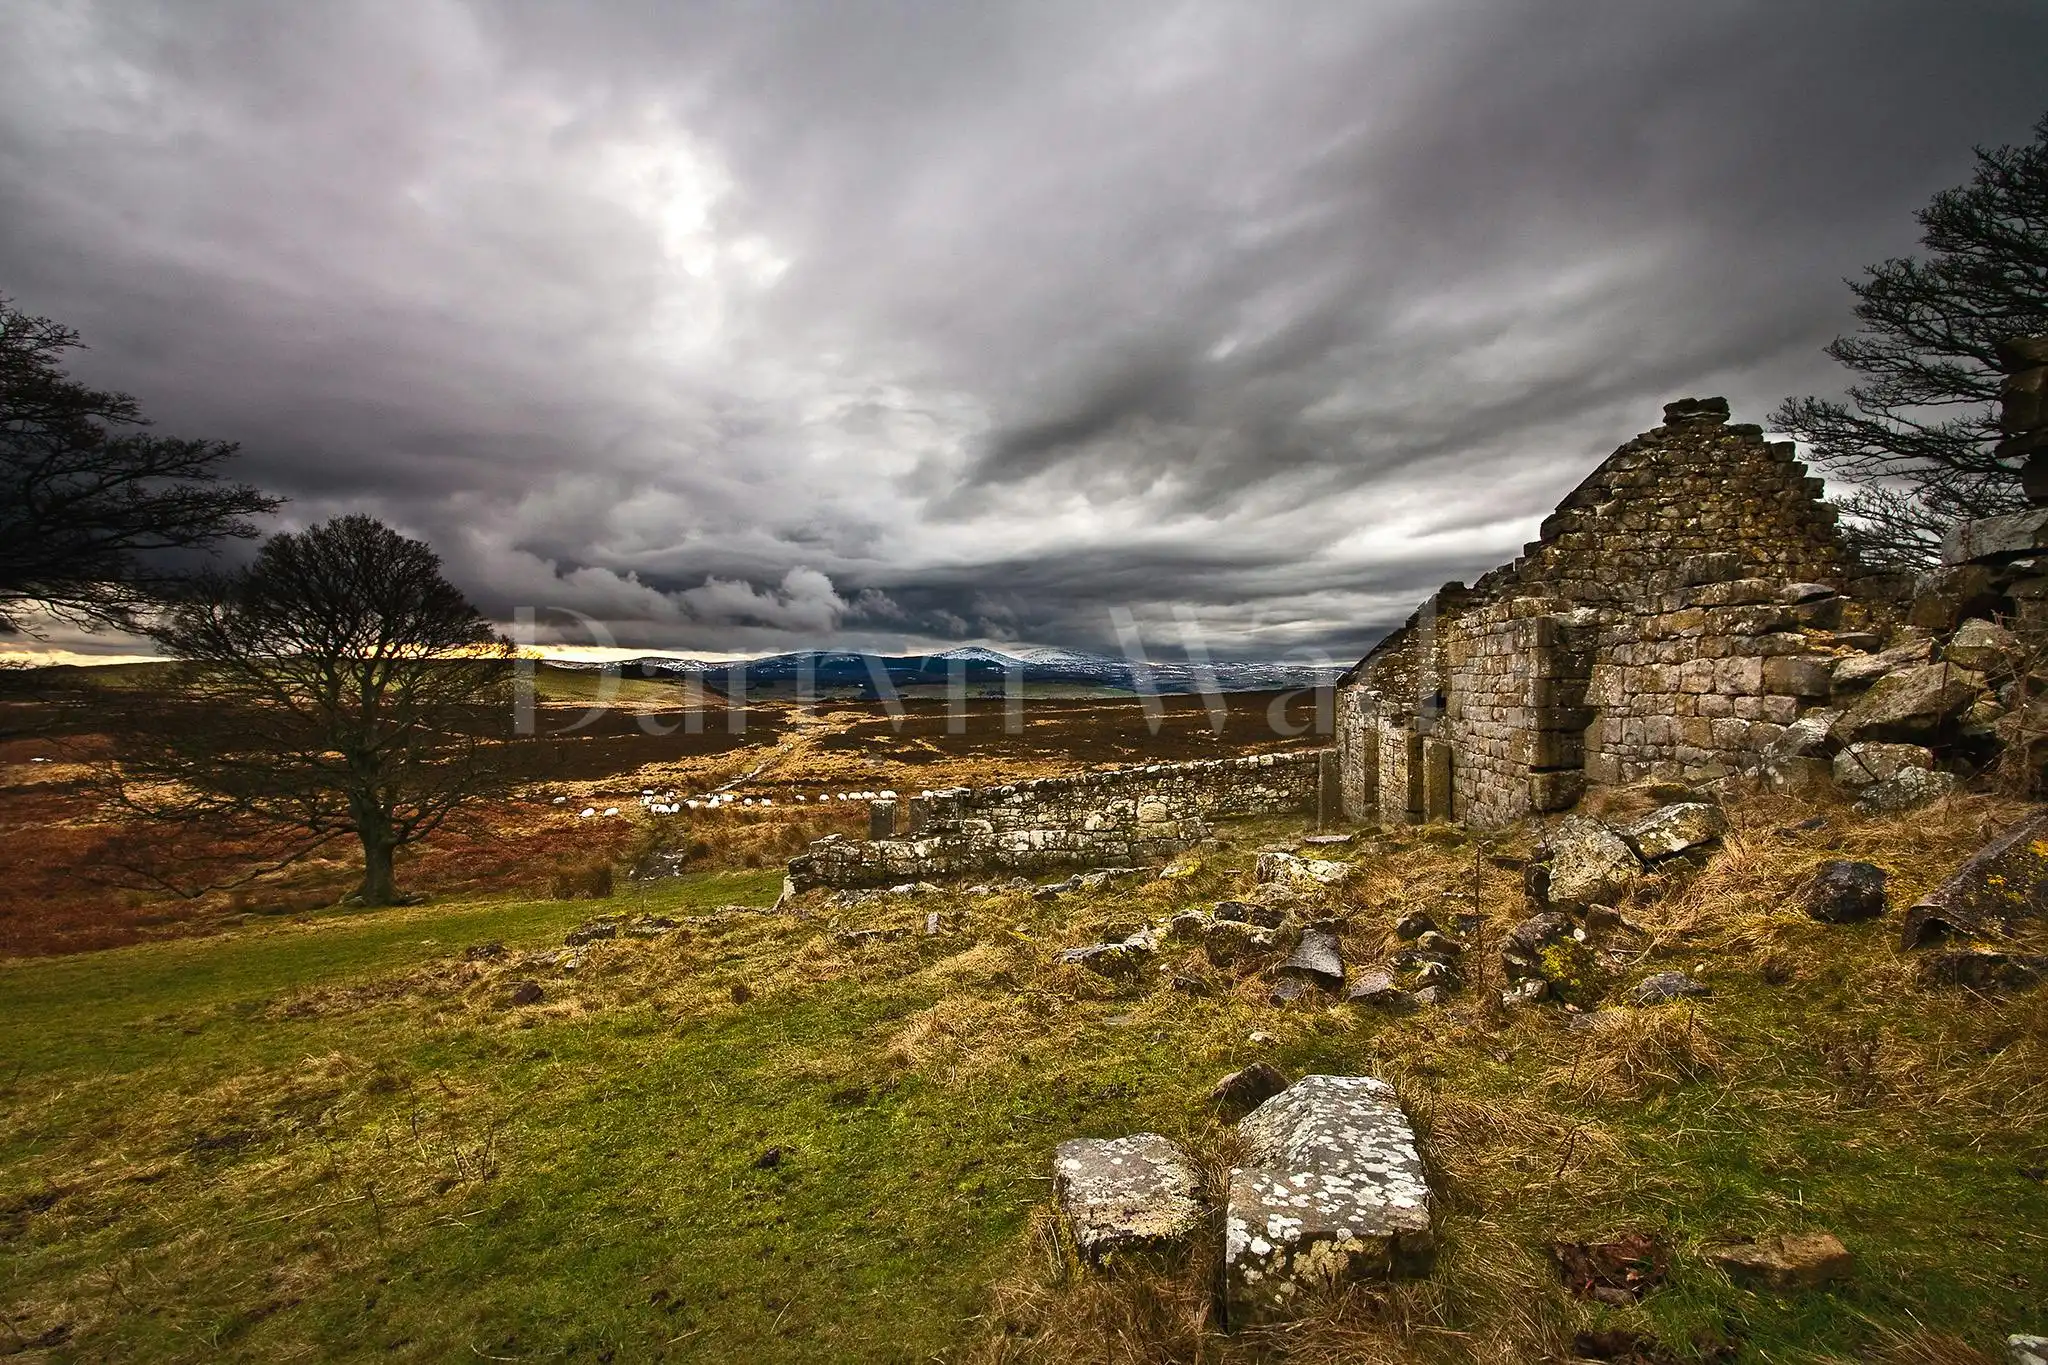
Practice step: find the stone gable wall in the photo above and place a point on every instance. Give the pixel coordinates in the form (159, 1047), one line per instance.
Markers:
(1653, 631)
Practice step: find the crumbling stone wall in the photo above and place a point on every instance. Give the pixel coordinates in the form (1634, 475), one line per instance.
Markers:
(1115, 818)
(1652, 631)
(1515, 716)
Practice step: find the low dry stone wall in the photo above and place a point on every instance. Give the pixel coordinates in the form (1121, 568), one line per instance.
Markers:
(1115, 818)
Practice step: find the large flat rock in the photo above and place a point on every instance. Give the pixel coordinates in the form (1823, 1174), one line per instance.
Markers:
(1334, 1192)
(1126, 1196)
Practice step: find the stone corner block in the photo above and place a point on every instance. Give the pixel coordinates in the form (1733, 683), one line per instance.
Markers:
(1335, 1192)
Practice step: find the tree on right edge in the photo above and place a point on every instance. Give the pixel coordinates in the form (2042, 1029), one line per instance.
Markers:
(1919, 427)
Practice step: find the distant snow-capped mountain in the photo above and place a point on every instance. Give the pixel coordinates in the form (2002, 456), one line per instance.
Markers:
(978, 666)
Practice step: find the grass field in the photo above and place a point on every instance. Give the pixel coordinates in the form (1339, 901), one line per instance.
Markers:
(333, 1137)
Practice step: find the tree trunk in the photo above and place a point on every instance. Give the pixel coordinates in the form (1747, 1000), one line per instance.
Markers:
(379, 886)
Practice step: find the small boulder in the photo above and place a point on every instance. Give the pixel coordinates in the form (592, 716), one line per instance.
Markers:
(1548, 947)
(1984, 646)
(1121, 959)
(1375, 986)
(483, 952)
(1807, 1260)
(1414, 924)
(1907, 789)
(526, 993)
(1532, 991)
(1810, 736)
(1673, 830)
(591, 931)
(1125, 1197)
(1587, 863)
(1248, 1089)
(1316, 959)
(1333, 1191)
(1843, 892)
(1663, 988)
(1871, 762)
(1232, 941)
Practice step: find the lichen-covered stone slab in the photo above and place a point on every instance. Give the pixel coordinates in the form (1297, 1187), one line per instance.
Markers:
(1672, 830)
(1907, 789)
(1126, 1196)
(1334, 1192)
(2003, 886)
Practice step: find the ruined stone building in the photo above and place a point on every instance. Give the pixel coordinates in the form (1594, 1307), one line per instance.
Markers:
(1664, 626)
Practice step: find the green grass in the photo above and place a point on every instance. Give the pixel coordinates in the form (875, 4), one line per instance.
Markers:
(333, 1139)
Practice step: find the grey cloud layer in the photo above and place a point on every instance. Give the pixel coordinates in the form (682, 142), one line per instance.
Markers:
(742, 327)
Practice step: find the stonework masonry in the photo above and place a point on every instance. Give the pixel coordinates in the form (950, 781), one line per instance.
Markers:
(1120, 817)
(1664, 626)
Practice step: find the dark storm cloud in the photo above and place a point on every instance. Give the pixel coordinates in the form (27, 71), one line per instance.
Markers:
(740, 326)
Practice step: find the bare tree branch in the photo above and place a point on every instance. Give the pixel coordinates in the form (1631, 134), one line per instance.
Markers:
(96, 514)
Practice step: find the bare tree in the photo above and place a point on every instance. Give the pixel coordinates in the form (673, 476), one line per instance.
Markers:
(94, 511)
(1920, 426)
(339, 685)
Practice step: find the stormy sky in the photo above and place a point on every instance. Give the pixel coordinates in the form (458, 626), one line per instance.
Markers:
(757, 326)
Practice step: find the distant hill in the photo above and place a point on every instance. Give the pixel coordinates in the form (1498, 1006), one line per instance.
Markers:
(983, 671)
